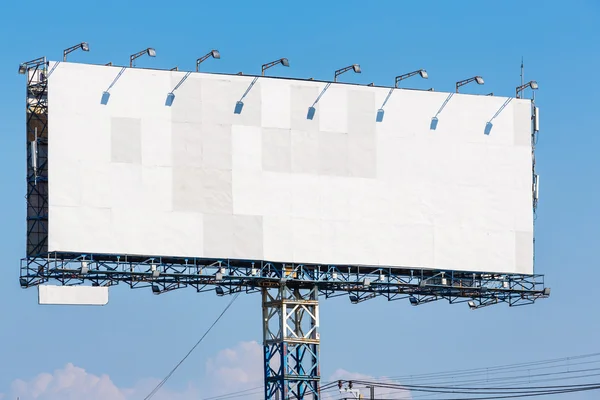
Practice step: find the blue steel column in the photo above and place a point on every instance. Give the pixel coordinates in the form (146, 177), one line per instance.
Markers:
(291, 343)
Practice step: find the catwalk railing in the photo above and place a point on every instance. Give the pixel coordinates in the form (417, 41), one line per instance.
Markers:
(360, 283)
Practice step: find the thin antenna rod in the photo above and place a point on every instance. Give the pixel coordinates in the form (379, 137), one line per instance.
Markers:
(522, 72)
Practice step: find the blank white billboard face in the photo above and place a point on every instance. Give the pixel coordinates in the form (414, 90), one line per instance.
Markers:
(285, 170)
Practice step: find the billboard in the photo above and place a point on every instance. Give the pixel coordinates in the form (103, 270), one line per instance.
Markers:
(168, 163)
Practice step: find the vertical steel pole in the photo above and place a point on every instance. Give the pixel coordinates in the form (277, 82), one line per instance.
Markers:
(291, 343)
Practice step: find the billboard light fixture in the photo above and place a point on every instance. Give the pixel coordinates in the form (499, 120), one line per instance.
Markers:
(23, 67)
(212, 53)
(421, 72)
(149, 51)
(83, 46)
(84, 267)
(531, 84)
(354, 67)
(478, 79)
(283, 61)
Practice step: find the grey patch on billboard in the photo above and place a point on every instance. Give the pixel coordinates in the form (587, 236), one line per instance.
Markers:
(126, 140)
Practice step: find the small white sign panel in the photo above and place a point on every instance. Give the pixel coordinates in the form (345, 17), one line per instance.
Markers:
(73, 295)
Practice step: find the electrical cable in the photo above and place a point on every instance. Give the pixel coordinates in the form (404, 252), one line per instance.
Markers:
(166, 378)
(470, 373)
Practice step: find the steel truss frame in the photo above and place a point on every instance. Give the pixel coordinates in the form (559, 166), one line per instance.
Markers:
(163, 274)
(37, 156)
(290, 291)
(291, 342)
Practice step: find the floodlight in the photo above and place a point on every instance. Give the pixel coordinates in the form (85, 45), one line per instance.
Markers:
(36, 63)
(149, 51)
(334, 275)
(219, 291)
(472, 305)
(155, 289)
(413, 301)
(219, 276)
(532, 84)
(477, 79)
(282, 61)
(354, 67)
(83, 46)
(353, 299)
(212, 53)
(421, 72)
(546, 291)
(84, 267)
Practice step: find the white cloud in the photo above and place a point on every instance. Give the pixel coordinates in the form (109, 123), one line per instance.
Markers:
(74, 383)
(230, 370)
(236, 369)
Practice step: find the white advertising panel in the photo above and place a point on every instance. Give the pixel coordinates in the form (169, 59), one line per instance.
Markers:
(73, 295)
(167, 163)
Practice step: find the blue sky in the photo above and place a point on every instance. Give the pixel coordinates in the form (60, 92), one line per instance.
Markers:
(139, 336)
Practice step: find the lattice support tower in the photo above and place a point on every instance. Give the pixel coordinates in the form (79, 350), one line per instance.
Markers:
(291, 342)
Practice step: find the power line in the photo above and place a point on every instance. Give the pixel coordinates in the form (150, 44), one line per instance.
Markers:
(438, 377)
(166, 378)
